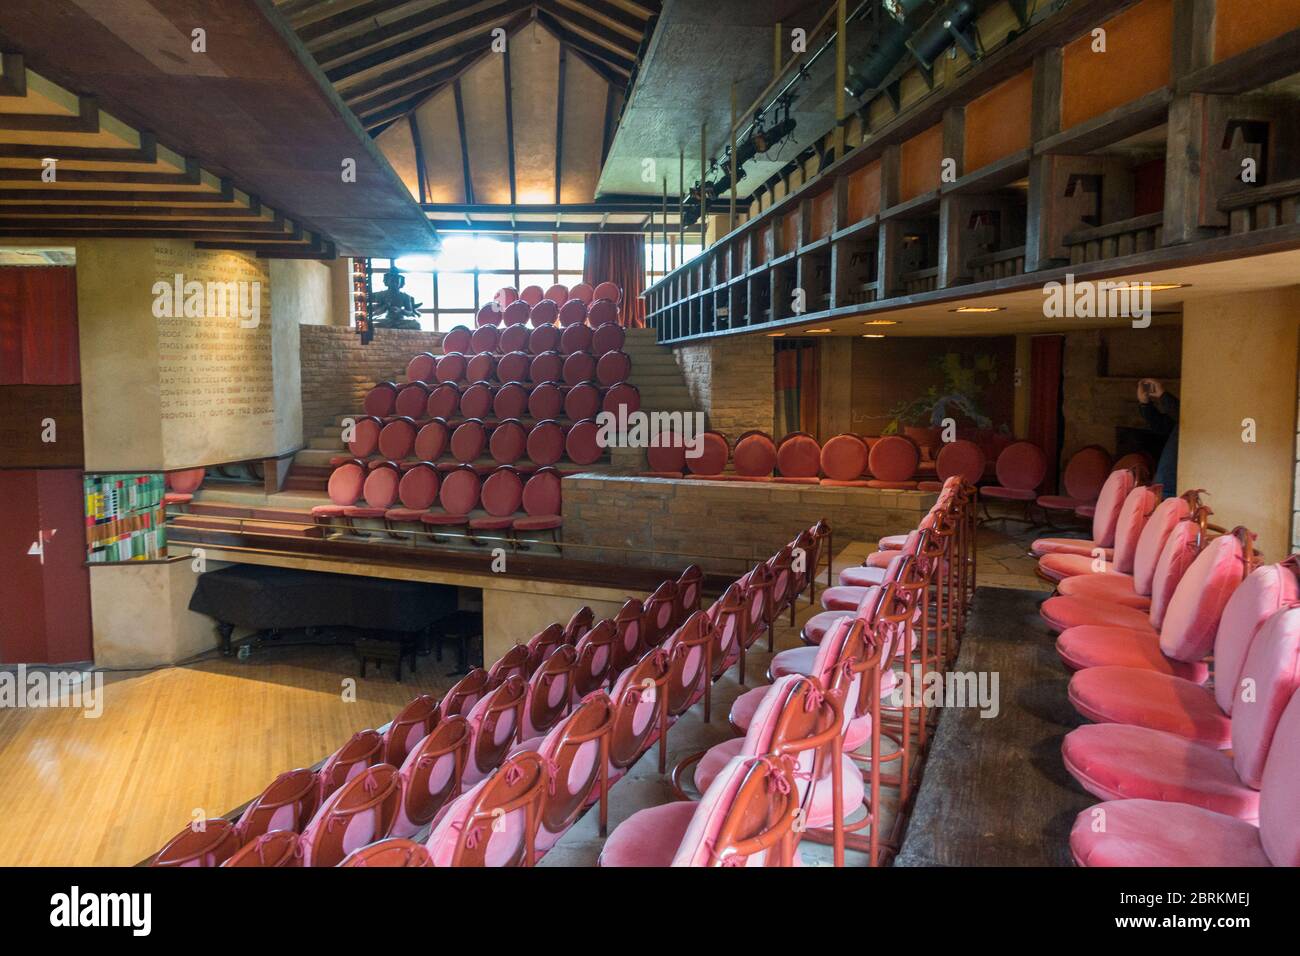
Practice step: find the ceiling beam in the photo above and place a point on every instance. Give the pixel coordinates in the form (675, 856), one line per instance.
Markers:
(86, 120)
(510, 123)
(559, 123)
(146, 153)
(416, 89)
(439, 19)
(35, 224)
(143, 197)
(417, 144)
(13, 75)
(464, 143)
(339, 21)
(90, 210)
(616, 13)
(613, 61)
(616, 42)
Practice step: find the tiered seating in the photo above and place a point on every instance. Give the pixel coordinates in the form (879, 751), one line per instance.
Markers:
(473, 427)
(496, 772)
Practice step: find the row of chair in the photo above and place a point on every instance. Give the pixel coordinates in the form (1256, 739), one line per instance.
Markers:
(594, 307)
(426, 370)
(1186, 658)
(507, 441)
(516, 338)
(827, 702)
(418, 401)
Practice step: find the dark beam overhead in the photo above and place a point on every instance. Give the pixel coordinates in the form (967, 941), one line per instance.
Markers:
(617, 61)
(575, 20)
(316, 29)
(444, 19)
(416, 88)
(464, 143)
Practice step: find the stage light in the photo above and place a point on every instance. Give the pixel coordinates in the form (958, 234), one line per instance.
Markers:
(980, 308)
(941, 30)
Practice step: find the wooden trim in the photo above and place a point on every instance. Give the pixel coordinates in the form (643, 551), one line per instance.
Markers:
(464, 143)
(1256, 67)
(1110, 127)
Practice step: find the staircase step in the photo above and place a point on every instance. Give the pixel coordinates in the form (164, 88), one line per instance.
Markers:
(305, 484)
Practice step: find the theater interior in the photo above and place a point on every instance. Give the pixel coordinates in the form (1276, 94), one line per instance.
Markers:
(621, 433)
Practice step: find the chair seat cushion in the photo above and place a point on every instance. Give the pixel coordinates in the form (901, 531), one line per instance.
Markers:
(355, 511)
(328, 511)
(492, 523)
(891, 485)
(892, 542)
(861, 576)
(1086, 511)
(796, 660)
(1064, 612)
(744, 707)
(538, 523)
(846, 483)
(1154, 833)
(1083, 546)
(817, 625)
(1110, 587)
(880, 559)
(1008, 494)
(819, 812)
(1117, 762)
(843, 598)
(443, 518)
(1144, 698)
(795, 480)
(1092, 645)
(649, 837)
(1059, 502)
(404, 514)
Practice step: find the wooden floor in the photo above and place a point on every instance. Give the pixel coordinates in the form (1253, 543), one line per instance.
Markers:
(995, 792)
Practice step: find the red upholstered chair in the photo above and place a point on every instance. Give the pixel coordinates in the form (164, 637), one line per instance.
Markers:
(481, 367)
(629, 645)
(960, 458)
(451, 367)
(546, 401)
(364, 749)
(576, 338)
(485, 340)
(1113, 761)
(476, 401)
(212, 845)
(1140, 463)
(558, 293)
(1144, 832)
(547, 367)
(550, 690)
(727, 615)
(513, 367)
(493, 824)
(365, 436)
(417, 491)
(544, 313)
(494, 726)
(1020, 469)
(1085, 473)
(532, 295)
(621, 399)
(344, 488)
(745, 818)
(594, 661)
(546, 443)
(421, 367)
(1061, 558)
(501, 496)
(1197, 616)
(602, 312)
(397, 439)
(507, 442)
(575, 752)
(579, 624)
(432, 439)
(510, 401)
(581, 444)
(843, 461)
(505, 296)
(667, 460)
(713, 452)
(183, 484)
(543, 644)
(392, 852)
(275, 849)
(458, 495)
(689, 590)
(287, 804)
(754, 457)
(412, 723)
(379, 400)
(892, 461)
(489, 314)
(468, 440)
(690, 676)
(657, 614)
(581, 401)
(613, 367)
(580, 367)
(516, 313)
(573, 313)
(412, 400)
(608, 290)
(640, 711)
(514, 338)
(541, 504)
(431, 774)
(798, 459)
(457, 339)
(543, 339)
(608, 338)
(444, 401)
(582, 292)
(379, 491)
(464, 694)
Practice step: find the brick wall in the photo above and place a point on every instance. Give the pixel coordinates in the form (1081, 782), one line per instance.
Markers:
(337, 370)
(732, 381)
(723, 526)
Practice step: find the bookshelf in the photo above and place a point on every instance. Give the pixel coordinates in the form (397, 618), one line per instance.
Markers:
(125, 517)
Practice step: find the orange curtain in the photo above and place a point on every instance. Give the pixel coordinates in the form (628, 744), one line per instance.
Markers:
(38, 326)
(619, 259)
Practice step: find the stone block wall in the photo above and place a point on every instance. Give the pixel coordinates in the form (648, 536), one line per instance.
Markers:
(723, 526)
(337, 370)
(732, 380)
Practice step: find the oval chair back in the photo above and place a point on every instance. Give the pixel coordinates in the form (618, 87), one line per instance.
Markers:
(595, 658)
(746, 817)
(576, 753)
(412, 723)
(431, 775)
(549, 691)
(579, 624)
(276, 848)
(689, 651)
(629, 644)
(287, 804)
(689, 586)
(494, 823)
(727, 614)
(464, 694)
(513, 663)
(363, 750)
(359, 812)
(657, 613)
(543, 644)
(211, 845)
(392, 852)
(639, 710)
(495, 724)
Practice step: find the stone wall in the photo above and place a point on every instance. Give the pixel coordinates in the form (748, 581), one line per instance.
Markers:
(731, 380)
(337, 370)
(723, 526)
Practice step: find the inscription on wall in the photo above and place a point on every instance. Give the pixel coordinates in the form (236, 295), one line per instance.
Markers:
(216, 380)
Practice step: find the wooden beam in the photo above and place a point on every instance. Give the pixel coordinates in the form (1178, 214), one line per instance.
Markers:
(618, 61)
(411, 96)
(149, 232)
(146, 153)
(1044, 122)
(607, 130)
(559, 122)
(1256, 67)
(464, 143)
(421, 174)
(34, 224)
(145, 197)
(86, 120)
(575, 20)
(339, 21)
(442, 19)
(1193, 37)
(13, 75)
(510, 122)
(611, 11)
(54, 210)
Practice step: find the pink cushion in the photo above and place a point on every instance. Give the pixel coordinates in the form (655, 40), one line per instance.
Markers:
(744, 707)
(582, 401)
(458, 338)
(545, 443)
(608, 338)
(543, 339)
(507, 442)
(451, 367)
(799, 456)
(1115, 762)
(796, 660)
(380, 488)
(1279, 824)
(467, 441)
(962, 458)
(546, 402)
(649, 837)
(712, 458)
(1095, 645)
(614, 366)
(1064, 612)
(1128, 695)
(1059, 566)
(547, 367)
(815, 627)
(844, 458)
(460, 492)
(513, 366)
(432, 441)
(510, 401)
(542, 494)
(1151, 542)
(545, 312)
(1192, 617)
(489, 314)
(579, 367)
(379, 400)
(573, 312)
(1109, 588)
(1132, 519)
(1085, 473)
(601, 312)
(1179, 552)
(1021, 467)
(1267, 589)
(892, 542)
(621, 396)
(844, 598)
(187, 480)
(345, 484)
(893, 459)
(365, 437)
(670, 457)
(397, 439)
(1152, 833)
(443, 402)
(581, 444)
(475, 402)
(1272, 669)
(754, 456)
(501, 493)
(862, 576)
(1043, 546)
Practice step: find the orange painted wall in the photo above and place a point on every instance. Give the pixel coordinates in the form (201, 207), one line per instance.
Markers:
(1242, 24)
(760, 244)
(997, 124)
(789, 236)
(919, 163)
(1136, 61)
(823, 208)
(864, 193)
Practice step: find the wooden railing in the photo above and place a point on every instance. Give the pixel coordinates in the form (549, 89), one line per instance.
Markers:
(998, 265)
(922, 280)
(1123, 238)
(1262, 207)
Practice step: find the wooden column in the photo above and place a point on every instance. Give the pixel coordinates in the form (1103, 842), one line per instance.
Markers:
(950, 206)
(1045, 120)
(890, 234)
(1186, 165)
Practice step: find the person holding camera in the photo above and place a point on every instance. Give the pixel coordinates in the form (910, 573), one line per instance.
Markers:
(1159, 409)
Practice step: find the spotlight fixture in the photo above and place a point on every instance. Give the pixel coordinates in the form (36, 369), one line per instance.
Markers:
(816, 331)
(1152, 286)
(949, 25)
(980, 308)
(775, 335)
(881, 322)
(872, 335)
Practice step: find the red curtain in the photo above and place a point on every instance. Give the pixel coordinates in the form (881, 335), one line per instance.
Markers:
(619, 259)
(1045, 401)
(38, 326)
(798, 387)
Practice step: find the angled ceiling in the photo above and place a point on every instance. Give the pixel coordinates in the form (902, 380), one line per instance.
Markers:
(252, 109)
(387, 57)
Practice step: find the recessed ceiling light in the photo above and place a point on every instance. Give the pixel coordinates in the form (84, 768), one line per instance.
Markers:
(980, 308)
(1152, 286)
(872, 335)
(816, 331)
(775, 335)
(881, 322)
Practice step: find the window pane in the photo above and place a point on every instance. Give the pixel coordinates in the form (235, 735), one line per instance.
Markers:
(489, 253)
(488, 286)
(377, 264)
(536, 255)
(455, 290)
(545, 281)
(572, 255)
(419, 285)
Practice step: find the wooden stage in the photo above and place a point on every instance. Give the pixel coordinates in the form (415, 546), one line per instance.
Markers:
(995, 792)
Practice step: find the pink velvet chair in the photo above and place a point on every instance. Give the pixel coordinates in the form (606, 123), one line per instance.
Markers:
(358, 813)
(1020, 469)
(961, 458)
(798, 459)
(1114, 586)
(287, 804)
(364, 749)
(494, 822)
(412, 723)
(278, 848)
(582, 443)
(1130, 522)
(431, 775)
(495, 722)
(892, 462)
(541, 503)
(754, 457)
(431, 440)
(844, 461)
(457, 339)
(1105, 520)
(393, 852)
(211, 845)
(1085, 473)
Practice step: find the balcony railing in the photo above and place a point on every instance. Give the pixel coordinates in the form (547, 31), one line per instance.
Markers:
(998, 265)
(1263, 207)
